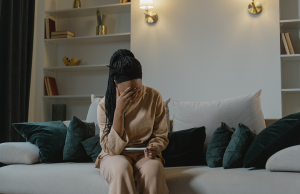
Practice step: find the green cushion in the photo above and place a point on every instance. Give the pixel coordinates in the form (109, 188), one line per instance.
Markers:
(217, 145)
(277, 136)
(49, 137)
(92, 147)
(185, 148)
(77, 132)
(238, 146)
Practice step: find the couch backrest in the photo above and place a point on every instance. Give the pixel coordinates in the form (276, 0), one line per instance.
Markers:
(268, 122)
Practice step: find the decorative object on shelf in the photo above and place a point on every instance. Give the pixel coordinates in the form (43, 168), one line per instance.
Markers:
(101, 29)
(62, 34)
(150, 16)
(59, 112)
(76, 4)
(72, 62)
(255, 7)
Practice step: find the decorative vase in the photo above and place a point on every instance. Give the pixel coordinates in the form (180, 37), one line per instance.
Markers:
(59, 112)
(76, 4)
(101, 30)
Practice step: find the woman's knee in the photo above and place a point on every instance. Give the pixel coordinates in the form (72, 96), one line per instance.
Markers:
(122, 169)
(152, 169)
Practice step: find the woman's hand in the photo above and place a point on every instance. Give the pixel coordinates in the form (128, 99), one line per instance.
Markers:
(151, 152)
(124, 100)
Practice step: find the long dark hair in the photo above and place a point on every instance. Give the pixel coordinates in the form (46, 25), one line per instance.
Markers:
(121, 59)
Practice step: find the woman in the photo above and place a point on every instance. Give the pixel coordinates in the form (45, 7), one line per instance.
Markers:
(131, 115)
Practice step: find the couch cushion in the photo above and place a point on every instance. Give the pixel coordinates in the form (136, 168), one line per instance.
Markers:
(243, 109)
(58, 178)
(91, 116)
(205, 180)
(77, 132)
(78, 178)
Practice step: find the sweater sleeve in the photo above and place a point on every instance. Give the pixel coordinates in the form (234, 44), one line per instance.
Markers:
(111, 142)
(159, 137)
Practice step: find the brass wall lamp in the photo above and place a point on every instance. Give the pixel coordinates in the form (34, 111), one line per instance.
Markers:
(150, 16)
(255, 7)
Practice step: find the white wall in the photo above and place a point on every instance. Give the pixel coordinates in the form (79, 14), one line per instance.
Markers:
(199, 50)
(210, 50)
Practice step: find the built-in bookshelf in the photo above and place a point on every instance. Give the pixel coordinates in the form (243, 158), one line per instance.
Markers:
(75, 84)
(290, 64)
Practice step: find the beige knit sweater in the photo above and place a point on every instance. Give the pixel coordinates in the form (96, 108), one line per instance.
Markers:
(144, 123)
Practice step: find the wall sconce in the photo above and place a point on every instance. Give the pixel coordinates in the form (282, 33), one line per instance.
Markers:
(255, 7)
(150, 16)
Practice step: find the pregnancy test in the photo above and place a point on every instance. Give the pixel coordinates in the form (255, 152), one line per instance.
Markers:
(135, 149)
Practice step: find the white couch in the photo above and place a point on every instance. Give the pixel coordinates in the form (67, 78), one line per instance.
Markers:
(79, 178)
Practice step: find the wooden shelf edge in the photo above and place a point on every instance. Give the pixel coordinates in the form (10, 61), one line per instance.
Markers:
(72, 96)
(79, 67)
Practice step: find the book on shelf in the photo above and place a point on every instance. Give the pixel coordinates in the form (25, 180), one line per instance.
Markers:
(51, 86)
(66, 32)
(285, 44)
(289, 42)
(124, 1)
(50, 26)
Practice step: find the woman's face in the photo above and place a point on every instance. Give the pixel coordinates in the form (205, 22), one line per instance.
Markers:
(135, 83)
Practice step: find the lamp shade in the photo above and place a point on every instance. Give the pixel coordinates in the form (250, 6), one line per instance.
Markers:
(145, 3)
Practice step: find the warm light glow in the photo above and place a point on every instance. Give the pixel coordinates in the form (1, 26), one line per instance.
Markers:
(145, 3)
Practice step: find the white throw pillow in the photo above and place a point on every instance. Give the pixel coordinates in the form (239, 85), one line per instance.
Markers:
(19, 153)
(285, 160)
(244, 109)
(167, 112)
(92, 113)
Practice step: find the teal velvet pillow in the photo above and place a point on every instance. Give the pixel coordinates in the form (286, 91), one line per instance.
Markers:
(185, 148)
(277, 136)
(217, 145)
(77, 132)
(92, 147)
(49, 137)
(238, 146)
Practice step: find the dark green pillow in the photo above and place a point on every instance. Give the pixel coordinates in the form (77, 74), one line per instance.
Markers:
(92, 147)
(185, 148)
(77, 132)
(49, 137)
(217, 145)
(277, 136)
(238, 146)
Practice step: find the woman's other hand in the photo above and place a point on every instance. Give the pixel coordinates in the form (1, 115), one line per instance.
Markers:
(151, 152)
(124, 100)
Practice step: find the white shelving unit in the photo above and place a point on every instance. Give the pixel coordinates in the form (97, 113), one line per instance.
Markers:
(290, 64)
(76, 83)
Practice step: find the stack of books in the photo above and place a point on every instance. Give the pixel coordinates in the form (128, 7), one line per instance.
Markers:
(124, 1)
(50, 86)
(62, 34)
(287, 43)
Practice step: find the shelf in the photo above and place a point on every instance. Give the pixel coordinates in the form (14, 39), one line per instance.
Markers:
(90, 11)
(293, 90)
(78, 68)
(72, 97)
(293, 57)
(290, 24)
(90, 39)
